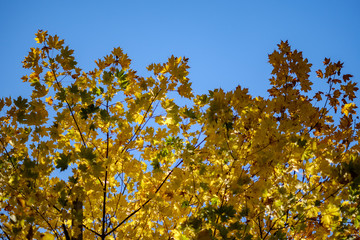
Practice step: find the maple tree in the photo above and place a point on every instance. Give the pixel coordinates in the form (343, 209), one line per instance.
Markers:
(145, 158)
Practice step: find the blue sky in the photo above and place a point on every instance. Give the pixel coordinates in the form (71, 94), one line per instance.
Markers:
(227, 41)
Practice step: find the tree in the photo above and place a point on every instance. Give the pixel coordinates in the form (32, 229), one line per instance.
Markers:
(145, 158)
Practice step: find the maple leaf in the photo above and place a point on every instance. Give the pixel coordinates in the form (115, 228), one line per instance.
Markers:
(63, 161)
(88, 154)
(347, 77)
(21, 103)
(227, 165)
(53, 42)
(348, 108)
(49, 100)
(326, 61)
(117, 52)
(320, 74)
(40, 36)
(121, 77)
(85, 112)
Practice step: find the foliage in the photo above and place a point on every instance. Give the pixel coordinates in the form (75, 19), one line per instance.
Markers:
(145, 158)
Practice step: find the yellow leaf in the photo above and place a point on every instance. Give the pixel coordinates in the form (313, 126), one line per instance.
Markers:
(348, 108)
(8, 101)
(49, 100)
(54, 42)
(40, 36)
(329, 214)
(319, 74)
(204, 235)
(2, 103)
(169, 121)
(117, 52)
(312, 212)
(20, 201)
(47, 236)
(326, 220)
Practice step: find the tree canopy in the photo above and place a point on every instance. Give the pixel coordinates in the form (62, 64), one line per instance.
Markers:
(108, 154)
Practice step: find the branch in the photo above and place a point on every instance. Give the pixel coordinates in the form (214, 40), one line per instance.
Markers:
(98, 234)
(105, 180)
(36, 210)
(67, 103)
(67, 237)
(140, 126)
(147, 201)
(323, 109)
(7, 236)
(7, 153)
(260, 228)
(47, 222)
(104, 206)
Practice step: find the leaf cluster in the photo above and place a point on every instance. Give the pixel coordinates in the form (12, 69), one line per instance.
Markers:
(109, 154)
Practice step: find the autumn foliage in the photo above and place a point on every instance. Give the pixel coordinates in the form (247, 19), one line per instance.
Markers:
(108, 154)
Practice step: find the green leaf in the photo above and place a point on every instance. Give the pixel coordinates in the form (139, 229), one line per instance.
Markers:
(225, 212)
(189, 147)
(204, 186)
(61, 95)
(86, 96)
(248, 237)
(107, 78)
(104, 115)
(209, 212)
(279, 234)
(228, 125)
(88, 154)
(66, 58)
(21, 103)
(185, 204)
(73, 179)
(13, 160)
(97, 91)
(63, 162)
(175, 142)
(244, 180)
(163, 153)
(40, 90)
(124, 84)
(92, 127)
(74, 89)
(84, 112)
(301, 143)
(62, 199)
(202, 170)
(194, 222)
(29, 168)
(83, 167)
(236, 226)
(121, 77)
(92, 108)
(215, 200)
(189, 113)
(155, 164)
(244, 212)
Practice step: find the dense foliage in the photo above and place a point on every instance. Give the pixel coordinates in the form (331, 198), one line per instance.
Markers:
(108, 154)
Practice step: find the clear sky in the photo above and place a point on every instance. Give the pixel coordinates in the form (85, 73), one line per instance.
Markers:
(227, 41)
